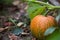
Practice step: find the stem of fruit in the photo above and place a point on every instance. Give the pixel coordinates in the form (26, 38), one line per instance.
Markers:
(46, 13)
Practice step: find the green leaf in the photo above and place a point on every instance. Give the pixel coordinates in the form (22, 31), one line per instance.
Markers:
(49, 31)
(13, 21)
(35, 9)
(58, 17)
(54, 36)
(32, 8)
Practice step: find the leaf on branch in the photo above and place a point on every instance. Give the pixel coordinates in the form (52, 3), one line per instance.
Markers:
(35, 9)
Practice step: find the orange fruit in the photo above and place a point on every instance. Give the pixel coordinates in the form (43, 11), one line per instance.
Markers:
(40, 24)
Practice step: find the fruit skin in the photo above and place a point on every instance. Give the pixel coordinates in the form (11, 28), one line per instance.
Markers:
(40, 24)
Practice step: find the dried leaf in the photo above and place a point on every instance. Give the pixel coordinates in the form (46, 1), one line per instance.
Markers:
(20, 23)
(16, 2)
(2, 29)
(13, 37)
